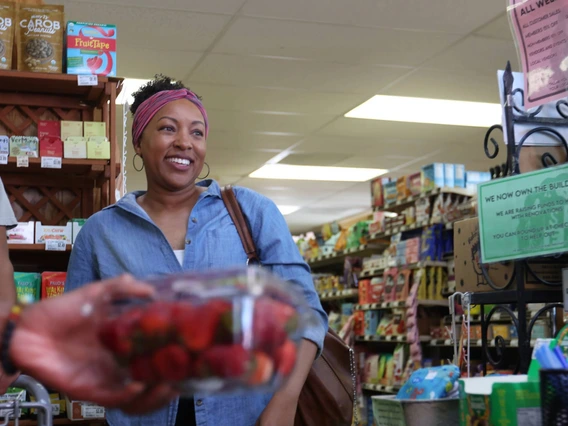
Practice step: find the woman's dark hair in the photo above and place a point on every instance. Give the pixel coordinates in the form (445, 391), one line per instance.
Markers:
(158, 84)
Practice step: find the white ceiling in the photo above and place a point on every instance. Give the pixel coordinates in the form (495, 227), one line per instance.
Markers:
(279, 76)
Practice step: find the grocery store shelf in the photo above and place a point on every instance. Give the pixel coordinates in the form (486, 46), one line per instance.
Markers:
(69, 166)
(510, 296)
(405, 228)
(93, 422)
(380, 388)
(404, 202)
(426, 264)
(35, 247)
(337, 258)
(338, 294)
(399, 304)
(387, 339)
(512, 343)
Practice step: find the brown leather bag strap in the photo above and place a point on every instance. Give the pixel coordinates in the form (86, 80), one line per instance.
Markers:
(240, 222)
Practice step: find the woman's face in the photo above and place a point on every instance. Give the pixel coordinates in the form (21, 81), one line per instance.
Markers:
(173, 146)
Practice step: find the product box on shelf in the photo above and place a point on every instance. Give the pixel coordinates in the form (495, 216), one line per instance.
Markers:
(57, 404)
(371, 373)
(81, 410)
(371, 322)
(377, 191)
(27, 286)
(459, 175)
(11, 395)
(98, 147)
(48, 128)
(403, 188)
(415, 183)
(94, 128)
(499, 400)
(51, 146)
(364, 291)
(432, 176)
(52, 284)
(449, 175)
(4, 144)
(23, 233)
(402, 287)
(376, 290)
(48, 232)
(7, 23)
(24, 146)
(390, 192)
(71, 129)
(75, 147)
(76, 225)
(91, 48)
(472, 179)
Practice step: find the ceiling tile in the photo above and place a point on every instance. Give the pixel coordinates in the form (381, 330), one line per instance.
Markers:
(133, 62)
(454, 16)
(476, 53)
(259, 99)
(256, 141)
(326, 42)
(498, 28)
(294, 74)
(356, 197)
(151, 28)
(228, 7)
(325, 159)
(461, 85)
(235, 162)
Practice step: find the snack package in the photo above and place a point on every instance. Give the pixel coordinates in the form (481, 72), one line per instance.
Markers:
(430, 383)
(371, 322)
(52, 284)
(402, 287)
(376, 290)
(389, 371)
(7, 20)
(39, 38)
(385, 325)
(390, 285)
(91, 49)
(11, 395)
(371, 374)
(27, 286)
(399, 362)
(24, 146)
(216, 332)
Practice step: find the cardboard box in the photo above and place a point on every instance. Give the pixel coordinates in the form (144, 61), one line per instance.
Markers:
(48, 128)
(45, 232)
(469, 276)
(449, 175)
(98, 148)
(27, 286)
(71, 129)
(58, 405)
(24, 146)
(390, 192)
(499, 401)
(459, 175)
(52, 284)
(81, 410)
(22, 234)
(402, 188)
(91, 48)
(75, 147)
(76, 225)
(12, 394)
(94, 128)
(51, 146)
(415, 183)
(432, 176)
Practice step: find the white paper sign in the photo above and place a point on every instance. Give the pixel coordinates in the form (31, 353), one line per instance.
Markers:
(87, 80)
(23, 161)
(55, 245)
(92, 411)
(51, 162)
(3, 158)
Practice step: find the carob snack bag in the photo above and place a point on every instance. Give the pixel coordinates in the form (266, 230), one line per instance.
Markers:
(7, 15)
(39, 38)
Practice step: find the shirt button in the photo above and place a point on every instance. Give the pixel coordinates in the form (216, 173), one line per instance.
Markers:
(199, 402)
(194, 219)
(188, 241)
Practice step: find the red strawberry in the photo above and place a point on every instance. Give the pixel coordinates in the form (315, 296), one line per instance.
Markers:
(226, 361)
(285, 358)
(117, 334)
(142, 370)
(271, 323)
(156, 319)
(197, 326)
(262, 369)
(171, 363)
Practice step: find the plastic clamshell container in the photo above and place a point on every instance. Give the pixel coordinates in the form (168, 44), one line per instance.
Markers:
(216, 332)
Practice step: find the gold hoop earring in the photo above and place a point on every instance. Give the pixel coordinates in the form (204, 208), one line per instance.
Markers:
(208, 170)
(134, 163)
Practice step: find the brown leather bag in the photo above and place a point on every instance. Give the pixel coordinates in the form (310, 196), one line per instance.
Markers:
(328, 396)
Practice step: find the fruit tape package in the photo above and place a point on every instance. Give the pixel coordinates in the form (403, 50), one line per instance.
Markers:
(228, 331)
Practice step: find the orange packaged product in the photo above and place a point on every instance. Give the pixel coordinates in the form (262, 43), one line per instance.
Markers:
(52, 284)
(364, 292)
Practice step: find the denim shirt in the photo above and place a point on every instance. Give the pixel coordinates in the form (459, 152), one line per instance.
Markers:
(122, 238)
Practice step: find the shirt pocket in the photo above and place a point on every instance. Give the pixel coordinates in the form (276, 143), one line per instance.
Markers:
(224, 248)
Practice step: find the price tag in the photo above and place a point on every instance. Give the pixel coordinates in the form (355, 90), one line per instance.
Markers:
(92, 411)
(55, 245)
(3, 158)
(51, 162)
(23, 161)
(55, 409)
(87, 80)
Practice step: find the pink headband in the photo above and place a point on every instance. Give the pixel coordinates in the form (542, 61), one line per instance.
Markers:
(154, 103)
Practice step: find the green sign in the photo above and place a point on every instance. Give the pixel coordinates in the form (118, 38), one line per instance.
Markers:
(524, 215)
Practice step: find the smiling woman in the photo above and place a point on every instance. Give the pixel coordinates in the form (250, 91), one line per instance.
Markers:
(178, 224)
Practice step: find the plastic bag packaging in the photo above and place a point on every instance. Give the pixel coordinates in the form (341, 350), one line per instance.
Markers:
(215, 332)
(540, 30)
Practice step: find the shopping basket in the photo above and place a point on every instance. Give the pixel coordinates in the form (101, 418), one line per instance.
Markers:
(42, 403)
(389, 411)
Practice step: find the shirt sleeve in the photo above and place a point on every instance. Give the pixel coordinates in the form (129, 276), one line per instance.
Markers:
(82, 268)
(7, 217)
(279, 253)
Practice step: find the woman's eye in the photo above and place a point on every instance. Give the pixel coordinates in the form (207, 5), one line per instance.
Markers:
(198, 133)
(168, 128)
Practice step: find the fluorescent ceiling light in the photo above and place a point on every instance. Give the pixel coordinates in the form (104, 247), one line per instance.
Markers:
(129, 86)
(319, 173)
(430, 111)
(286, 210)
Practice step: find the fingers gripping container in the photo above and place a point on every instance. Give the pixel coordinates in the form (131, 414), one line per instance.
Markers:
(216, 332)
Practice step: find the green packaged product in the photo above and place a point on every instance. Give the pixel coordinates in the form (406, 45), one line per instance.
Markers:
(28, 286)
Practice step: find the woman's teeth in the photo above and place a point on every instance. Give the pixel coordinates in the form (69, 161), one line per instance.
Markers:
(183, 161)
